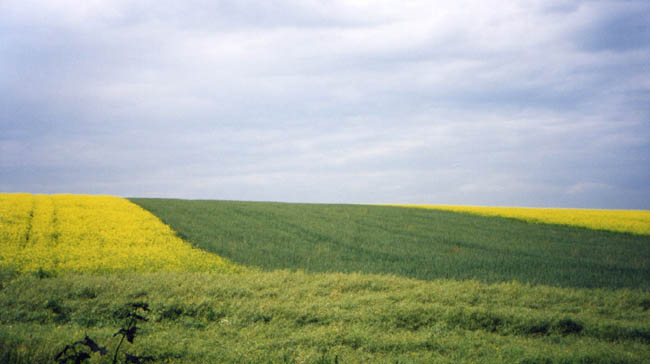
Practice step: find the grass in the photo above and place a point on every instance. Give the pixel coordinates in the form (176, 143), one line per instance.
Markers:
(295, 317)
(416, 243)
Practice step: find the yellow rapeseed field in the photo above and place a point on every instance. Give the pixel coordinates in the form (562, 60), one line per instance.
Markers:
(631, 221)
(61, 233)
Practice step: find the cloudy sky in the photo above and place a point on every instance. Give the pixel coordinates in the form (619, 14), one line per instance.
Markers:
(520, 103)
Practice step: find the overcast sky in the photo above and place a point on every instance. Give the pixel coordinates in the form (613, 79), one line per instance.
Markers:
(517, 103)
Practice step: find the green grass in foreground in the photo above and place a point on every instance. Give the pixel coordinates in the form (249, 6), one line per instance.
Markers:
(294, 317)
(417, 243)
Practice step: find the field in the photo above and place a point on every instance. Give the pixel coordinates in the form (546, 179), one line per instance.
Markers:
(59, 233)
(330, 284)
(630, 221)
(415, 243)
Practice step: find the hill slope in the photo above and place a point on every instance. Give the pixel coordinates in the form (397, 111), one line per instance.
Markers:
(417, 243)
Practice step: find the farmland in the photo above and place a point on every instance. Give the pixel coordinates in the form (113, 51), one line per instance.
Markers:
(630, 221)
(416, 243)
(92, 234)
(325, 284)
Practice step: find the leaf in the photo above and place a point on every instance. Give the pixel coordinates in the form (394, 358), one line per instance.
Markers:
(80, 357)
(92, 345)
(142, 305)
(67, 347)
(137, 317)
(138, 359)
(130, 333)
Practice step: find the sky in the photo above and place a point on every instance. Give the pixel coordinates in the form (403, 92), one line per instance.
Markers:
(474, 102)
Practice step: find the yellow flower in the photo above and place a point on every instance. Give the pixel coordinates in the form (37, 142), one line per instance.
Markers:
(63, 233)
(632, 221)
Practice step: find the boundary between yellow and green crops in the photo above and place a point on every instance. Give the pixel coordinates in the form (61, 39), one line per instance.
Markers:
(630, 221)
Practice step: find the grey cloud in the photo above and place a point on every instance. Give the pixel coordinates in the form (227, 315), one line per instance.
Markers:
(327, 102)
(617, 26)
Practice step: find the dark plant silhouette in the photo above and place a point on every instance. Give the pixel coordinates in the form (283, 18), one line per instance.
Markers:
(77, 352)
(72, 353)
(129, 331)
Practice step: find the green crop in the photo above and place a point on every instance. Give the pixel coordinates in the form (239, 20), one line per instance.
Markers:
(417, 243)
